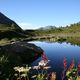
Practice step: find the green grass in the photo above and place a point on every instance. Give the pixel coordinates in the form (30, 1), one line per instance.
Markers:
(4, 41)
(69, 34)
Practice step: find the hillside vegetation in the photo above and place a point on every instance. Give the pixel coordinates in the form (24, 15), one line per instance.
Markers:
(69, 30)
(9, 30)
(69, 33)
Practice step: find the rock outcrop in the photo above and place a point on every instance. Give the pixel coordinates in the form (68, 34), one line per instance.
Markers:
(21, 52)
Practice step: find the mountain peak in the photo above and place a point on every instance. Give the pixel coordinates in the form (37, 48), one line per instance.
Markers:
(49, 27)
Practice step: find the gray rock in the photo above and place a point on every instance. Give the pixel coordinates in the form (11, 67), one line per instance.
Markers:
(22, 52)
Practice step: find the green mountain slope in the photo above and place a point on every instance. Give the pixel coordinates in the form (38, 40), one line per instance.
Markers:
(72, 29)
(69, 34)
(9, 29)
(8, 24)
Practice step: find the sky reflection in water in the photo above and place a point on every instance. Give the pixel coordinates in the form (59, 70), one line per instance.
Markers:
(56, 52)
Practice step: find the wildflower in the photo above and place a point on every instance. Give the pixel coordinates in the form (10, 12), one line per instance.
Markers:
(36, 67)
(67, 73)
(44, 57)
(46, 67)
(44, 60)
(17, 69)
(72, 65)
(65, 63)
(22, 69)
(23, 75)
(34, 76)
(42, 68)
(72, 74)
(63, 75)
(43, 63)
(15, 74)
(78, 66)
(53, 76)
(65, 66)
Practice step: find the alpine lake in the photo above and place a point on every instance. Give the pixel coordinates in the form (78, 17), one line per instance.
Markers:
(56, 51)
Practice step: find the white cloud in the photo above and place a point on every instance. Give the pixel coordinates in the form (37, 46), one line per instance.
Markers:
(25, 25)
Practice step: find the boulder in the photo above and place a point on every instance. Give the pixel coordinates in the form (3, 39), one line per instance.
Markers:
(21, 52)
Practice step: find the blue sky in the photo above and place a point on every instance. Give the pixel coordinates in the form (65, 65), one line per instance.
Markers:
(39, 13)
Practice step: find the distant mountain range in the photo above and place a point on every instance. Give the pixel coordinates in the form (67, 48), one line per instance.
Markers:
(47, 27)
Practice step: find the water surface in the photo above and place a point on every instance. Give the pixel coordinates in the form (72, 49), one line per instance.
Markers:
(56, 52)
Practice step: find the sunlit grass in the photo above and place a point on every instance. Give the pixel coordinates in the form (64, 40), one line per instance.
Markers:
(4, 41)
